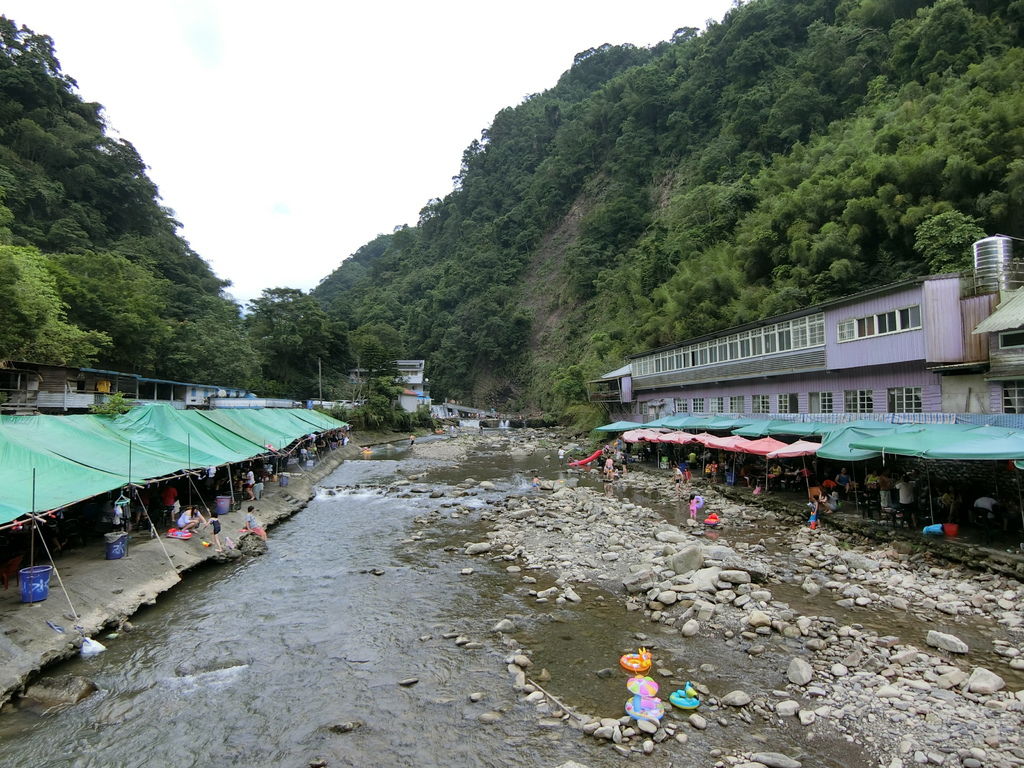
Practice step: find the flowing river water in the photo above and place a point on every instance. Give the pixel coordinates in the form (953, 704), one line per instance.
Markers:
(252, 664)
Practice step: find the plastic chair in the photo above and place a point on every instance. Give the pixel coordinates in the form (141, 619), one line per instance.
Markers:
(9, 570)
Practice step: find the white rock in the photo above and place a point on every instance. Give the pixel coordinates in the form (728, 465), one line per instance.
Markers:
(734, 577)
(799, 671)
(946, 642)
(759, 619)
(787, 708)
(736, 699)
(984, 681)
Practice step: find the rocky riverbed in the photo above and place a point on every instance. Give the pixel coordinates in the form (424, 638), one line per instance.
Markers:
(873, 669)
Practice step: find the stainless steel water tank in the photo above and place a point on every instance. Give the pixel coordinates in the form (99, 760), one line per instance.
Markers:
(994, 266)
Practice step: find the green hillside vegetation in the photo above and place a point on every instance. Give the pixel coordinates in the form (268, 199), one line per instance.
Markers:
(794, 152)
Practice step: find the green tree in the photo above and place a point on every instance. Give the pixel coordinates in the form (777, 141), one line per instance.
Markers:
(33, 319)
(945, 240)
(294, 339)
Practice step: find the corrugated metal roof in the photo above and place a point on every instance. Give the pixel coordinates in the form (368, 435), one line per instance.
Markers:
(1009, 314)
(618, 372)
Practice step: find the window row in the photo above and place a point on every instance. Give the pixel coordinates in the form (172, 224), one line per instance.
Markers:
(786, 336)
(898, 400)
(893, 321)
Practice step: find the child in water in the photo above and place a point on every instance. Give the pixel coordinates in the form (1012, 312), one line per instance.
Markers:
(694, 506)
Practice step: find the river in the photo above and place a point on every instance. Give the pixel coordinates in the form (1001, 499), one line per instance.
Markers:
(252, 664)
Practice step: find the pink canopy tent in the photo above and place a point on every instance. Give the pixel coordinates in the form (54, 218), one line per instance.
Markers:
(762, 447)
(636, 435)
(799, 448)
(675, 438)
(727, 443)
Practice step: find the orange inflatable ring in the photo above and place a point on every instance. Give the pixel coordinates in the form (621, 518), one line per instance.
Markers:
(636, 662)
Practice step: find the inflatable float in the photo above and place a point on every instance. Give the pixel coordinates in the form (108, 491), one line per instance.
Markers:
(584, 462)
(636, 662)
(685, 697)
(644, 686)
(712, 521)
(645, 708)
(174, 533)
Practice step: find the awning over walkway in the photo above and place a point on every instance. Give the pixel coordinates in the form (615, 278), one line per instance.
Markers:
(74, 458)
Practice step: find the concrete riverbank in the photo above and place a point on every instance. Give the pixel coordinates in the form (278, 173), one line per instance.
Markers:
(105, 593)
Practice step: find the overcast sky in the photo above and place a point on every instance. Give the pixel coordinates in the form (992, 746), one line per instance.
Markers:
(286, 135)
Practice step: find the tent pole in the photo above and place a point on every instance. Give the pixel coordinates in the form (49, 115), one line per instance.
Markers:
(1020, 499)
(931, 496)
(856, 496)
(32, 535)
(189, 459)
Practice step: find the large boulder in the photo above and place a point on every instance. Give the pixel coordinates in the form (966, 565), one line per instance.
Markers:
(861, 562)
(799, 671)
(640, 581)
(672, 537)
(61, 690)
(757, 570)
(946, 642)
(706, 579)
(686, 560)
(984, 681)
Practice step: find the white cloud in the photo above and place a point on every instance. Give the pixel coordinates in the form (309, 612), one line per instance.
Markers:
(285, 136)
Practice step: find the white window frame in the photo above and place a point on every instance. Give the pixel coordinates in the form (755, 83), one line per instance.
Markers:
(760, 404)
(1005, 335)
(826, 402)
(778, 338)
(1013, 396)
(904, 400)
(787, 402)
(736, 403)
(716, 405)
(904, 319)
(863, 400)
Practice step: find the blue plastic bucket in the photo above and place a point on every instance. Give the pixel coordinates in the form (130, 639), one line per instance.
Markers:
(933, 530)
(282, 480)
(223, 505)
(35, 583)
(117, 546)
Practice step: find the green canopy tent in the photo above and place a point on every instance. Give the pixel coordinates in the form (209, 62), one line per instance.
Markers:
(90, 441)
(781, 427)
(58, 481)
(74, 458)
(618, 426)
(319, 419)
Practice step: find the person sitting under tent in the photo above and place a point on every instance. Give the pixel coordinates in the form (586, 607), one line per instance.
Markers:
(190, 518)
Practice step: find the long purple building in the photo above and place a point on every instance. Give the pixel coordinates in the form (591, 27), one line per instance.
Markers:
(905, 348)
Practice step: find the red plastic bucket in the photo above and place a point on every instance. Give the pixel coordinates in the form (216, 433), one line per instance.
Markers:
(950, 529)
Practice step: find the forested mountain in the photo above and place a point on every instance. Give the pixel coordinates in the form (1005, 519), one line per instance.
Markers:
(794, 152)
